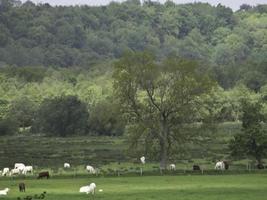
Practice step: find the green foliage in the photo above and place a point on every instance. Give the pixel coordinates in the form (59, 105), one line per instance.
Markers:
(158, 98)
(26, 74)
(8, 127)
(4, 107)
(252, 141)
(105, 118)
(22, 111)
(45, 53)
(63, 116)
(82, 36)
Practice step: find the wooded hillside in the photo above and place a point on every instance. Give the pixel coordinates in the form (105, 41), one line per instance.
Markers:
(232, 45)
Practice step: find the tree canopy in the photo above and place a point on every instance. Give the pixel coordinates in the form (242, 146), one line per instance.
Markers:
(159, 98)
(231, 43)
(252, 141)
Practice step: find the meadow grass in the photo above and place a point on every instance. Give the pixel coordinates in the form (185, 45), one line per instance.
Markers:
(230, 187)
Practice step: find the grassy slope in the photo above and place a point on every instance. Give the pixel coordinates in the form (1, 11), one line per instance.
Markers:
(98, 151)
(45, 151)
(105, 152)
(235, 187)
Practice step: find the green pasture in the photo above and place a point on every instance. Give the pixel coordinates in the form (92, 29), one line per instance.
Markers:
(230, 187)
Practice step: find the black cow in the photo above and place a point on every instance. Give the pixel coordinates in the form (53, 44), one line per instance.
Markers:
(22, 187)
(226, 165)
(43, 175)
(196, 168)
(260, 166)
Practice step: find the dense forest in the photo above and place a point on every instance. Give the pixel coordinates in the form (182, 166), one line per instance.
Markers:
(54, 57)
(232, 45)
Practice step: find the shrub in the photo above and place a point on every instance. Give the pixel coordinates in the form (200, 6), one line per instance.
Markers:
(62, 116)
(8, 127)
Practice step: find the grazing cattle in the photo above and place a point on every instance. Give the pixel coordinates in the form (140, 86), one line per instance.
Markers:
(88, 189)
(196, 168)
(21, 169)
(43, 175)
(14, 172)
(143, 160)
(5, 171)
(220, 166)
(27, 169)
(22, 187)
(4, 192)
(90, 169)
(172, 167)
(260, 166)
(17, 165)
(66, 165)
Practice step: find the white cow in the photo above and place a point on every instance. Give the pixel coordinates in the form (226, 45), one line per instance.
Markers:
(220, 165)
(17, 165)
(66, 165)
(4, 192)
(14, 172)
(172, 167)
(90, 169)
(143, 160)
(27, 169)
(5, 171)
(21, 168)
(88, 188)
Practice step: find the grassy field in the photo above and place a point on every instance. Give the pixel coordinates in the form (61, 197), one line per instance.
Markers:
(230, 187)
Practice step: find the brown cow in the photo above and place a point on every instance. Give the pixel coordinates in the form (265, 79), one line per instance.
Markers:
(43, 175)
(22, 187)
(196, 168)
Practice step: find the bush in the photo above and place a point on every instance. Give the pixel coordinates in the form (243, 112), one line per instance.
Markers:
(22, 110)
(105, 119)
(62, 116)
(8, 127)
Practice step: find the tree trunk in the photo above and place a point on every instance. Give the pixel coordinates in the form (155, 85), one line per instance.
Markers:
(163, 145)
(163, 155)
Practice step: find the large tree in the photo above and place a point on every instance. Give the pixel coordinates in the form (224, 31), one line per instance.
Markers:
(252, 140)
(159, 98)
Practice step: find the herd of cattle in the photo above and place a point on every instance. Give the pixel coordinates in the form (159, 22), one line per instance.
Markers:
(20, 168)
